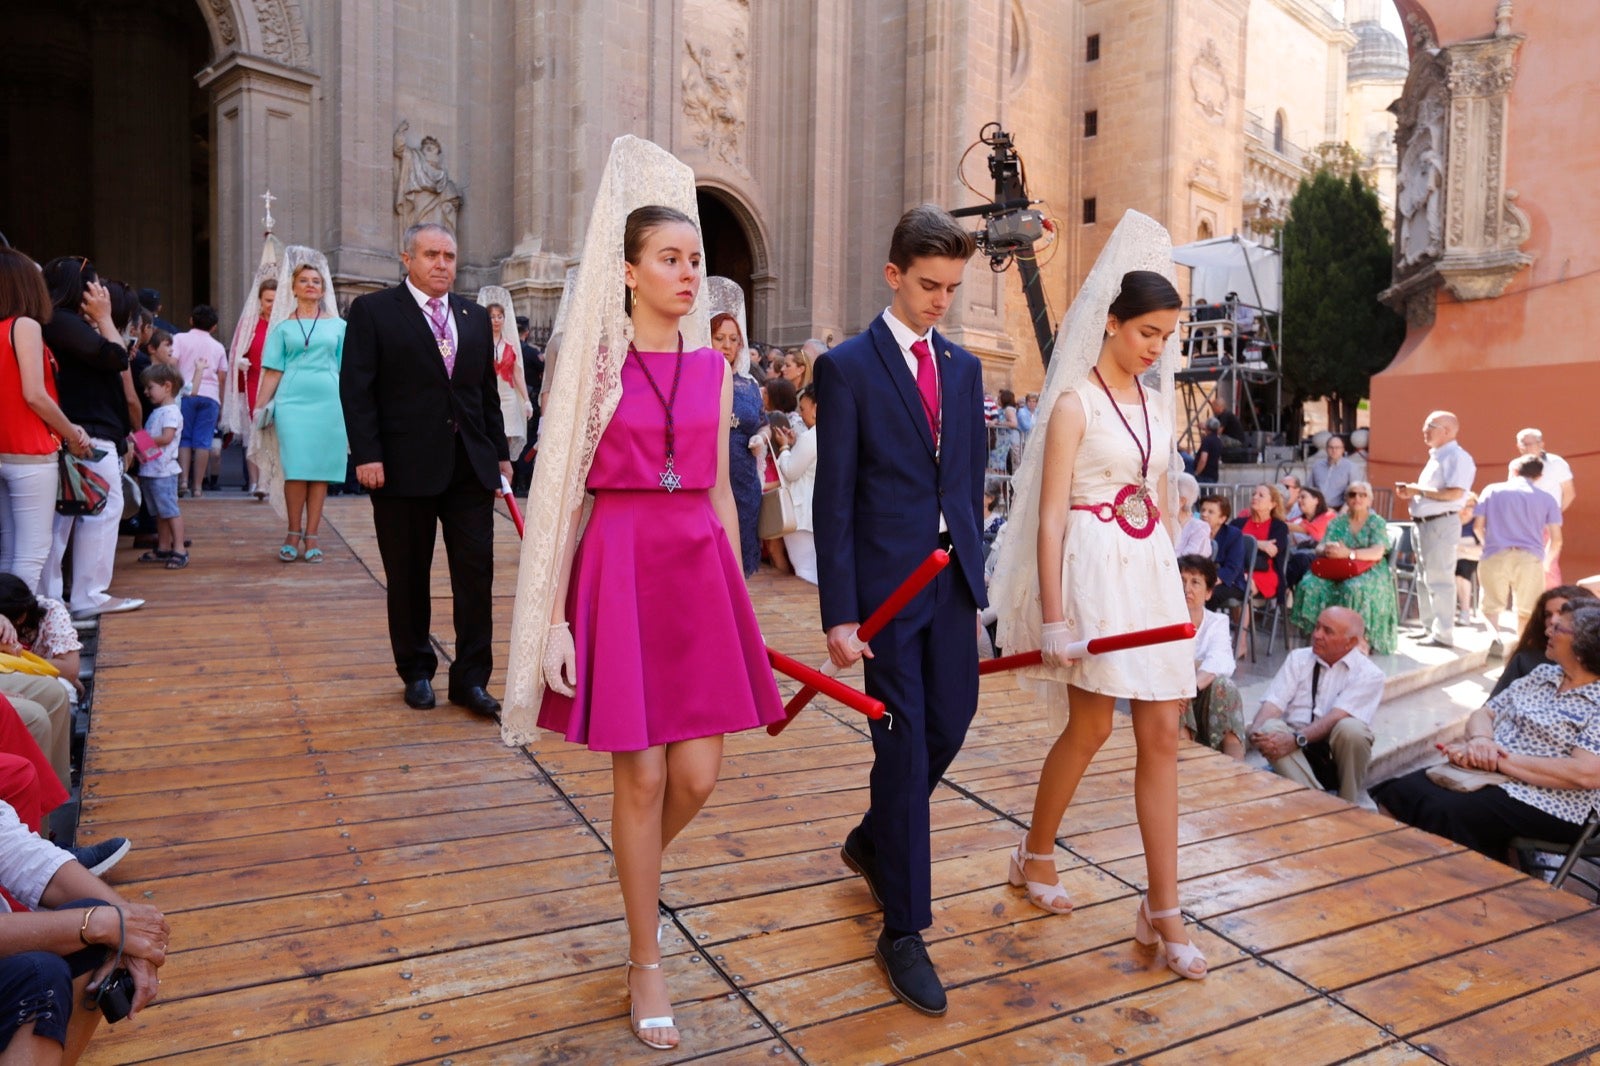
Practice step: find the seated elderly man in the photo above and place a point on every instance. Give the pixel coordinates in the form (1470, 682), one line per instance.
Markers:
(51, 957)
(1315, 722)
(1542, 735)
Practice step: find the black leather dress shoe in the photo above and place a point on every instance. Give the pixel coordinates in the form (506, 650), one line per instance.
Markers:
(911, 975)
(419, 694)
(856, 855)
(477, 700)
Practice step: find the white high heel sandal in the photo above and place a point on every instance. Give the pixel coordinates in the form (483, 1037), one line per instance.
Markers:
(1051, 898)
(639, 1025)
(1180, 957)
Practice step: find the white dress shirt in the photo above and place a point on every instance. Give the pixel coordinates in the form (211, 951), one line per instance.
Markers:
(905, 339)
(422, 299)
(1448, 467)
(1213, 648)
(1353, 685)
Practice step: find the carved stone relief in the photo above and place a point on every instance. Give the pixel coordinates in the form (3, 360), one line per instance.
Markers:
(283, 35)
(222, 15)
(1209, 82)
(716, 76)
(1458, 225)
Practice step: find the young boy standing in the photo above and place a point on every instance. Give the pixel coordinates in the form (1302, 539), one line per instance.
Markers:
(158, 477)
(900, 459)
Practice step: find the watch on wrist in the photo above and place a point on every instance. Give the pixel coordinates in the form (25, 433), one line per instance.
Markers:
(1300, 740)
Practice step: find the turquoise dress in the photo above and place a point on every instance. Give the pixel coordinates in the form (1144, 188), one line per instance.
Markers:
(306, 410)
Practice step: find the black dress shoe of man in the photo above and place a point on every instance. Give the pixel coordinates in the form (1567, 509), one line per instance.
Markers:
(477, 700)
(911, 975)
(856, 855)
(419, 694)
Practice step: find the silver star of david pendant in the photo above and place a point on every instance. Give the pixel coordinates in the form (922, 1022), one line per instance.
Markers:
(669, 478)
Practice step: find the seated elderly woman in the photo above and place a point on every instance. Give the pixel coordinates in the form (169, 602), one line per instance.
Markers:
(1356, 543)
(1533, 647)
(1542, 734)
(1215, 716)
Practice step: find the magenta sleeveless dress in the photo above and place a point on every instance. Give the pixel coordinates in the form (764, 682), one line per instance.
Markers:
(667, 643)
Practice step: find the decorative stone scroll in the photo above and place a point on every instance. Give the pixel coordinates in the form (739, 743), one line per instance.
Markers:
(1457, 224)
(1209, 82)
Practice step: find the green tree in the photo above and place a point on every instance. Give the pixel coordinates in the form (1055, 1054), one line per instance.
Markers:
(1336, 259)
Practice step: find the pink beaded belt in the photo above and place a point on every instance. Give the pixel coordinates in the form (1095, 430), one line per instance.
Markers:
(1133, 510)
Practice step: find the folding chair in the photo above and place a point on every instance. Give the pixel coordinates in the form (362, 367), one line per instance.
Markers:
(1530, 854)
(1241, 615)
(1273, 612)
(1403, 565)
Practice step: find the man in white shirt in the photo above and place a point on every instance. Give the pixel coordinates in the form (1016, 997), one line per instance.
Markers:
(1436, 498)
(1557, 481)
(1315, 722)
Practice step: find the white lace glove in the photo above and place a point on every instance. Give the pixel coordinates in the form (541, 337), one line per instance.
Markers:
(1055, 639)
(560, 660)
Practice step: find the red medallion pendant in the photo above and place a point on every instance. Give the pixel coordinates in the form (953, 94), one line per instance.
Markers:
(1135, 511)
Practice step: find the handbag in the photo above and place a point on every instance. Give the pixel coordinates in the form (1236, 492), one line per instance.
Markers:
(82, 491)
(778, 517)
(1340, 569)
(1464, 778)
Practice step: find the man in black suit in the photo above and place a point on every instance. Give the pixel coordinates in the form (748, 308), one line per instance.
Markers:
(423, 416)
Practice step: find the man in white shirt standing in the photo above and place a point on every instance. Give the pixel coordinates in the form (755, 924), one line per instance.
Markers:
(1315, 722)
(203, 362)
(1436, 498)
(1557, 481)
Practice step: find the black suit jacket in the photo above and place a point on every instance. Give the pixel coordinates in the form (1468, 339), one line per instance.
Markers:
(401, 409)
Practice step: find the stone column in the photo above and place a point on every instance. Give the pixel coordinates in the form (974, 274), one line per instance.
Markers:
(263, 141)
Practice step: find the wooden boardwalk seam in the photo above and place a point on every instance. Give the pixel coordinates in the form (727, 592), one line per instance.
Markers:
(352, 881)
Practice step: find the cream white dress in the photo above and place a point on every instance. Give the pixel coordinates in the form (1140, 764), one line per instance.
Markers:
(1111, 581)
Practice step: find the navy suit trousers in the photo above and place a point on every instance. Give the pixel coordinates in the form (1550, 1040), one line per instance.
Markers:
(925, 670)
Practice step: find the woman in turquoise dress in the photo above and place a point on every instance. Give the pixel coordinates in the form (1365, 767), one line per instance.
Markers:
(299, 399)
(1356, 534)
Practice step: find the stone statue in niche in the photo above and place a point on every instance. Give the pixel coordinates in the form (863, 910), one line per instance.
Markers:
(1420, 197)
(716, 76)
(423, 190)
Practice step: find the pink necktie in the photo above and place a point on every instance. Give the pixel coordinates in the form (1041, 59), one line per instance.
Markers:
(441, 333)
(927, 384)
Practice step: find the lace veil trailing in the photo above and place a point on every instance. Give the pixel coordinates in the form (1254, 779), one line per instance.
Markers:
(235, 400)
(724, 296)
(1138, 243)
(263, 447)
(587, 384)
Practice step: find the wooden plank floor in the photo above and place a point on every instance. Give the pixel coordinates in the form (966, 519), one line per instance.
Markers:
(350, 881)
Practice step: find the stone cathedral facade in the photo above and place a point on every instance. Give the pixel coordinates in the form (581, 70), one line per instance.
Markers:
(812, 124)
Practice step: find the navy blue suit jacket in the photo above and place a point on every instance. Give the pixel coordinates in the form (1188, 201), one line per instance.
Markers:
(879, 490)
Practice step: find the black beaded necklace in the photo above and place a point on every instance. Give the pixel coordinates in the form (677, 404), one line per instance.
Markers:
(306, 334)
(1147, 447)
(669, 477)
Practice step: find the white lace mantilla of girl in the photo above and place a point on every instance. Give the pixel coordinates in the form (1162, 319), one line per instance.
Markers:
(263, 447)
(235, 398)
(586, 387)
(1138, 243)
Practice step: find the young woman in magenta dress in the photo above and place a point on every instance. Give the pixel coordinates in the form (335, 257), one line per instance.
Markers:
(653, 652)
(1097, 533)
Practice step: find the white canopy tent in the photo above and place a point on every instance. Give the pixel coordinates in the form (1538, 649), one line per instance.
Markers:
(1234, 264)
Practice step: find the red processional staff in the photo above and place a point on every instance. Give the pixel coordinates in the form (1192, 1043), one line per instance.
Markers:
(823, 680)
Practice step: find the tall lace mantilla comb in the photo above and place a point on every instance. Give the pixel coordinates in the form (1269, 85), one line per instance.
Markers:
(585, 385)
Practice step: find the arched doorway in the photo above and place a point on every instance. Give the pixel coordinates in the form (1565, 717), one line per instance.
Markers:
(105, 140)
(728, 250)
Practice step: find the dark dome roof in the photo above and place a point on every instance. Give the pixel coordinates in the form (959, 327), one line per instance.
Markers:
(1378, 55)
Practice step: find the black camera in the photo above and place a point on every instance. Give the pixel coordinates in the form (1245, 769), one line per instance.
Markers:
(114, 997)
